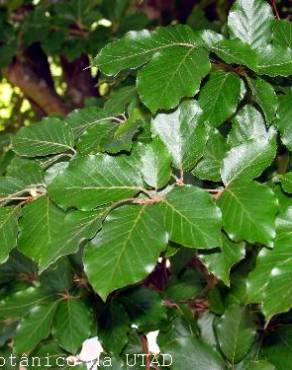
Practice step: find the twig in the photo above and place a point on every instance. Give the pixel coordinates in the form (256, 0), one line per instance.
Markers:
(274, 5)
(145, 349)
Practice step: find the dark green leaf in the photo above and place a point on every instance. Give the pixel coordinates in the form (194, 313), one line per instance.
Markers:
(221, 262)
(284, 119)
(172, 75)
(209, 167)
(34, 327)
(219, 97)
(133, 237)
(244, 216)
(51, 136)
(235, 332)
(191, 218)
(265, 96)
(282, 33)
(8, 230)
(93, 181)
(72, 324)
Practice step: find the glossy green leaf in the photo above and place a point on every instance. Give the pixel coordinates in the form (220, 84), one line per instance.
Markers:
(51, 136)
(235, 333)
(26, 170)
(19, 303)
(72, 324)
(244, 216)
(271, 276)
(248, 160)
(10, 185)
(219, 97)
(34, 327)
(265, 96)
(8, 230)
(282, 33)
(154, 163)
(237, 52)
(209, 167)
(120, 99)
(183, 132)
(284, 119)
(126, 249)
(251, 21)
(274, 61)
(92, 140)
(220, 262)
(48, 234)
(191, 218)
(261, 365)
(92, 181)
(192, 353)
(137, 48)
(172, 75)
(248, 124)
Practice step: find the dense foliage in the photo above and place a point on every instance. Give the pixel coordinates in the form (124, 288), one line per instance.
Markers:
(165, 206)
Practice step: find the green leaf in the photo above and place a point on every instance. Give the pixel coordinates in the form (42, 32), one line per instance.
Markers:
(251, 22)
(145, 308)
(80, 120)
(113, 327)
(154, 163)
(219, 97)
(264, 94)
(34, 327)
(122, 137)
(172, 75)
(248, 124)
(192, 353)
(120, 99)
(72, 324)
(18, 304)
(48, 234)
(277, 347)
(286, 181)
(237, 52)
(274, 61)
(248, 160)
(133, 237)
(137, 48)
(249, 210)
(282, 33)
(283, 122)
(183, 132)
(92, 181)
(10, 185)
(235, 333)
(26, 170)
(209, 167)
(191, 218)
(184, 287)
(51, 136)
(8, 230)
(92, 140)
(271, 276)
(220, 262)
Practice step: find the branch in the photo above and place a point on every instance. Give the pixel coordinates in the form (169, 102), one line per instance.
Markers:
(35, 88)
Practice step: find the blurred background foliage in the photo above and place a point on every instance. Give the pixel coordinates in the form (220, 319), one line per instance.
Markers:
(46, 47)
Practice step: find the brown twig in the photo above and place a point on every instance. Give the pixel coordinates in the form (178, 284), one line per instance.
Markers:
(145, 349)
(274, 5)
